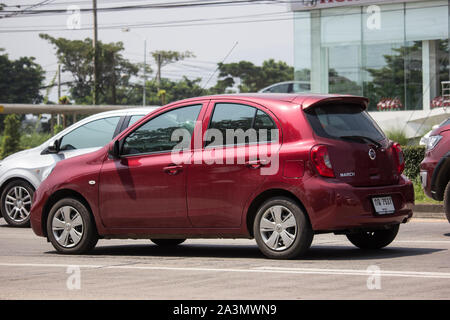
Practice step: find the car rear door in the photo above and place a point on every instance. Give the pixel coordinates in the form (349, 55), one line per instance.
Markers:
(224, 174)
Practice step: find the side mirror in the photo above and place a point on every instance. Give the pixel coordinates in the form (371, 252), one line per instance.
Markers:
(53, 148)
(114, 150)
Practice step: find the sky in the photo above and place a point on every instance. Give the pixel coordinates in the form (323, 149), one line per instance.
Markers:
(212, 33)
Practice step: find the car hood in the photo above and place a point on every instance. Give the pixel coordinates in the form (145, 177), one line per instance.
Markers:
(22, 154)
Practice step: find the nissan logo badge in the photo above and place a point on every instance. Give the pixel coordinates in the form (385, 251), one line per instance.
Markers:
(372, 154)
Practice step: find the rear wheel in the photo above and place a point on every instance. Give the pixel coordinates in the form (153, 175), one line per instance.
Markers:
(373, 239)
(71, 228)
(447, 201)
(168, 242)
(281, 229)
(16, 203)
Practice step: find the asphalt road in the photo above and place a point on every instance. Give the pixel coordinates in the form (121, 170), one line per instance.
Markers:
(415, 266)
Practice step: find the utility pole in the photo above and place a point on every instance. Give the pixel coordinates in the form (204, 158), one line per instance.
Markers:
(58, 117)
(94, 44)
(158, 75)
(145, 73)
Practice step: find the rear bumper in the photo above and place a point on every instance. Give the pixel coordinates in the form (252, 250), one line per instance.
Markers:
(340, 206)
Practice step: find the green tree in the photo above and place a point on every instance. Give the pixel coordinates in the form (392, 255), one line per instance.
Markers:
(175, 90)
(114, 71)
(251, 78)
(163, 58)
(20, 80)
(11, 136)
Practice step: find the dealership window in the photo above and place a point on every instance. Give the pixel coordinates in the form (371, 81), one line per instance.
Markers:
(402, 60)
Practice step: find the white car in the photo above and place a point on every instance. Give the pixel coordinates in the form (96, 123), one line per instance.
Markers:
(21, 173)
(288, 87)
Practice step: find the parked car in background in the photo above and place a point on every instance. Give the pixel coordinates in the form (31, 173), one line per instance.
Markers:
(288, 87)
(424, 140)
(21, 173)
(435, 167)
(331, 169)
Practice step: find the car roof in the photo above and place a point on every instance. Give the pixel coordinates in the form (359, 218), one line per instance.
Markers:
(125, 111)
(306, 100)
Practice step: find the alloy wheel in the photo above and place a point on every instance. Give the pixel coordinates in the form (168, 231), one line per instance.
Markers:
(67, 227)
(278, 228)
(18, 204)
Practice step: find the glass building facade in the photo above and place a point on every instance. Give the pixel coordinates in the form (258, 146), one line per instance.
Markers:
(394, 53)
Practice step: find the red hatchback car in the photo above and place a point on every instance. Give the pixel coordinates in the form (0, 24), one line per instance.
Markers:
(275, 167)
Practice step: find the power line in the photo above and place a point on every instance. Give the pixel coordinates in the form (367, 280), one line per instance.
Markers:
(167, 5)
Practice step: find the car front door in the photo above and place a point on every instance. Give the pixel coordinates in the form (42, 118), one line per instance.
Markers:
(144, 188)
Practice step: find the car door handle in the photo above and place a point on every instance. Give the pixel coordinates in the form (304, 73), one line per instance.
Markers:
(173, 169)
(256, 164)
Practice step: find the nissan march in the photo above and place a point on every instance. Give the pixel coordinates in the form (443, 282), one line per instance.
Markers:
(275, 167)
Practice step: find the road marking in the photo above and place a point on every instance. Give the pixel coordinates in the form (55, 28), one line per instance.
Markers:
(347, 272)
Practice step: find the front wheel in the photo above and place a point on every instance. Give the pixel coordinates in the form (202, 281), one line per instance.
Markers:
(373, 239)
(16, 203)
(282, 229)
(71, 228)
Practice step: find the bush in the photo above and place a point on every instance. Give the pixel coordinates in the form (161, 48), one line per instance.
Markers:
(32, 140)
(398, 136)
(11, 136)
(413, 158)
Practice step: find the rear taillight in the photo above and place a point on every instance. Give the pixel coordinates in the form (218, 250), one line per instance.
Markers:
(321, 160)
(398, 157)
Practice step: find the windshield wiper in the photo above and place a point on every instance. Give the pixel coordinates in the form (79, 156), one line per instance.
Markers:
(376, 143)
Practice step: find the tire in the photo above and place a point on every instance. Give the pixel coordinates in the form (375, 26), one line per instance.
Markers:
(371, 240)
(71, 227)
(168, 242)
(16, 203)
(282, 229)
(447, 201)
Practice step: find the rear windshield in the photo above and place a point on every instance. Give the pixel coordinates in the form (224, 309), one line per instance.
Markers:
(338, 121)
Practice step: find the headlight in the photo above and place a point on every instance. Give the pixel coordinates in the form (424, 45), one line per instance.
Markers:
(433, 141)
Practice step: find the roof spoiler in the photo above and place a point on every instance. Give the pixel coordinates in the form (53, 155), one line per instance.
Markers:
(309, 102)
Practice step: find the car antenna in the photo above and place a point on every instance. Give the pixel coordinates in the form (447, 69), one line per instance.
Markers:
(228, 54)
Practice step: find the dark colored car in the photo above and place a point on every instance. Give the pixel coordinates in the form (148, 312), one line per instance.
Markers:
(435, 167)
(292, 166)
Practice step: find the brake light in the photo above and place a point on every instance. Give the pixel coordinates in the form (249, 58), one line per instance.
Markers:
(321, 160)
(398, 157)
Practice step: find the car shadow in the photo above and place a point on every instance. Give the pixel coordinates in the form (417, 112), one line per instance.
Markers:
(316, 252)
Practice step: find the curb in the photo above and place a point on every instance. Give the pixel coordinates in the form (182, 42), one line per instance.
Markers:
(429, 215)
(429, 211)
(425, 207)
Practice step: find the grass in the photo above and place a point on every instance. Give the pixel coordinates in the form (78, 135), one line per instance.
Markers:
(420, 196)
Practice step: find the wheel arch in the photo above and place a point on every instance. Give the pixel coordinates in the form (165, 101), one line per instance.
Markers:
(13, 178)
(265, 195)
(440, 178)
(58, 195)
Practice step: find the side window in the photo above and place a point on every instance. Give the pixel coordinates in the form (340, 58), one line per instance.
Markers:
(156, 134)
(93, 134)
(231, 117)
(263, 126)
(282, 88)
(134, 119)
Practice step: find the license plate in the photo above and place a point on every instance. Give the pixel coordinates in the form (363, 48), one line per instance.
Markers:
(383, 205)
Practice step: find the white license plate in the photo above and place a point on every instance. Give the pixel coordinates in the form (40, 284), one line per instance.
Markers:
(383, 205)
